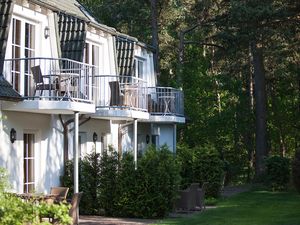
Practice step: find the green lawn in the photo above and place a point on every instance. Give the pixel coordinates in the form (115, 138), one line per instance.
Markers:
(251, 208)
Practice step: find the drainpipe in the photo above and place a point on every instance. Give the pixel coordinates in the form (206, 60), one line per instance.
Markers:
(135, 142)
(76, 133)
(174, 138)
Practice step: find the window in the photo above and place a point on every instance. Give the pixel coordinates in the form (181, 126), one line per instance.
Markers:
(91, 57)
(29, 176)
(23, 46)
(139, 68)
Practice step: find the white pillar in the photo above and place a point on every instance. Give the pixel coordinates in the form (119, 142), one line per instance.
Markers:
(174, 138)
(75, 153)
(135, 142)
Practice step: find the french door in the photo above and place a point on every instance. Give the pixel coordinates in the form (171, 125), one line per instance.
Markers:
(22, 46)
(29, 161)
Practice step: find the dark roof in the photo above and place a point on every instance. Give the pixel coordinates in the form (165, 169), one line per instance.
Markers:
(7, 92)
(5, 19)
(72, 35)
(125, 55)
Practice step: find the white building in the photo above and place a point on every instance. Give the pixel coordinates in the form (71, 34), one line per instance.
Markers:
(59, 66)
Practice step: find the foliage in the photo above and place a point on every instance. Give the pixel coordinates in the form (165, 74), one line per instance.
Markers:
(107, 192)
(296, 170)
(121, 190)
(255, 207)
(185, 158)
(277, 172)
(159, 181)
(216, 72)
(15, 211)
(208, 167)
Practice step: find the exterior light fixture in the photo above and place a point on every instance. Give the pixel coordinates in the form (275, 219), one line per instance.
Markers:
(147, 138)
(13, 135)
(95, 137)
(46, 32)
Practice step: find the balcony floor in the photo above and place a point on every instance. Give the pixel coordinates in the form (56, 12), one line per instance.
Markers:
(120, 114)
(49, 107)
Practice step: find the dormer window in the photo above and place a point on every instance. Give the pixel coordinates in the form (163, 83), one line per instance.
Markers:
(139, 64)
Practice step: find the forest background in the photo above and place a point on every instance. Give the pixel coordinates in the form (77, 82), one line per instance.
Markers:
(238, 63)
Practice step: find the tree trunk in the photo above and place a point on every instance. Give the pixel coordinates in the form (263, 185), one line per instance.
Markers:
(260, 109)
(155, 40)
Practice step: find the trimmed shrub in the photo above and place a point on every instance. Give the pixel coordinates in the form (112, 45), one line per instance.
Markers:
(277, 172)
(113, 186)
(296, 170)
(107, 186)
(159, 178)
(208, 167)
(185, 158)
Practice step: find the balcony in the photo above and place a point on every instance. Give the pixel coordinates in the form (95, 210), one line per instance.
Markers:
(120, 97)
(165, 104)
(50, 85)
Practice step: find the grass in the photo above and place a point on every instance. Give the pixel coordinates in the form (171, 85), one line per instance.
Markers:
(250, 208)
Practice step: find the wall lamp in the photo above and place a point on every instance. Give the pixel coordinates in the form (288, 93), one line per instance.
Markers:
(46, 32)
(13, 135)
(95, 137)
(147, 138)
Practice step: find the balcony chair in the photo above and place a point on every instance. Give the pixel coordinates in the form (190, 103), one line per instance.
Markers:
(39, 81)
(116, 97)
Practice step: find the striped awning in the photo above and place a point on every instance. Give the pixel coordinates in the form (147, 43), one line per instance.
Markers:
(125, 55)
(6, 9)
(72, 36)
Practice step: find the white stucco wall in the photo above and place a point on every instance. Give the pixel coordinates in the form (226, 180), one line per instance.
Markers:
(166, 135)
(48, 148)
(86, 131)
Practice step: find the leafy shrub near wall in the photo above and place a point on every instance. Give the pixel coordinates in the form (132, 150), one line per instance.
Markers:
(208, 167)
(121, 190)
(277, 172)
(185, 158)
(158, 175)
(14, 211)
(296, 170)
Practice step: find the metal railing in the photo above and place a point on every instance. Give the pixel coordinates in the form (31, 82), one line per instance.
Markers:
(50, 78)
(165, 101)
(120, 92)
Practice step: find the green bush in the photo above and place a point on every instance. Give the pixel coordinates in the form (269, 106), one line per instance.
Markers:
(185, 158)
(296, 170)
(208, 167)
(89, 182)
(277, 172)
(107, 187)
(158, 174)
(121, 190)
(15, 211)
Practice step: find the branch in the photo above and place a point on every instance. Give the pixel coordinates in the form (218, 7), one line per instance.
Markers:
(82, 122)
(203, 43)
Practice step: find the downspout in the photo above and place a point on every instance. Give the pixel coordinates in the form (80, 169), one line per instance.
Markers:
(76, 162)
(135, 142)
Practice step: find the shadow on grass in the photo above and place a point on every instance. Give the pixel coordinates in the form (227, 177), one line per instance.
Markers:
(251, 208)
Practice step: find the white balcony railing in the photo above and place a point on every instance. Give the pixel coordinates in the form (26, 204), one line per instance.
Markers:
(50, 78)
(119, 92)
(165, 101)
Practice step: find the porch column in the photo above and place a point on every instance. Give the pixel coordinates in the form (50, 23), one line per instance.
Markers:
(75, 153)
(135, 142)
(174, 138)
